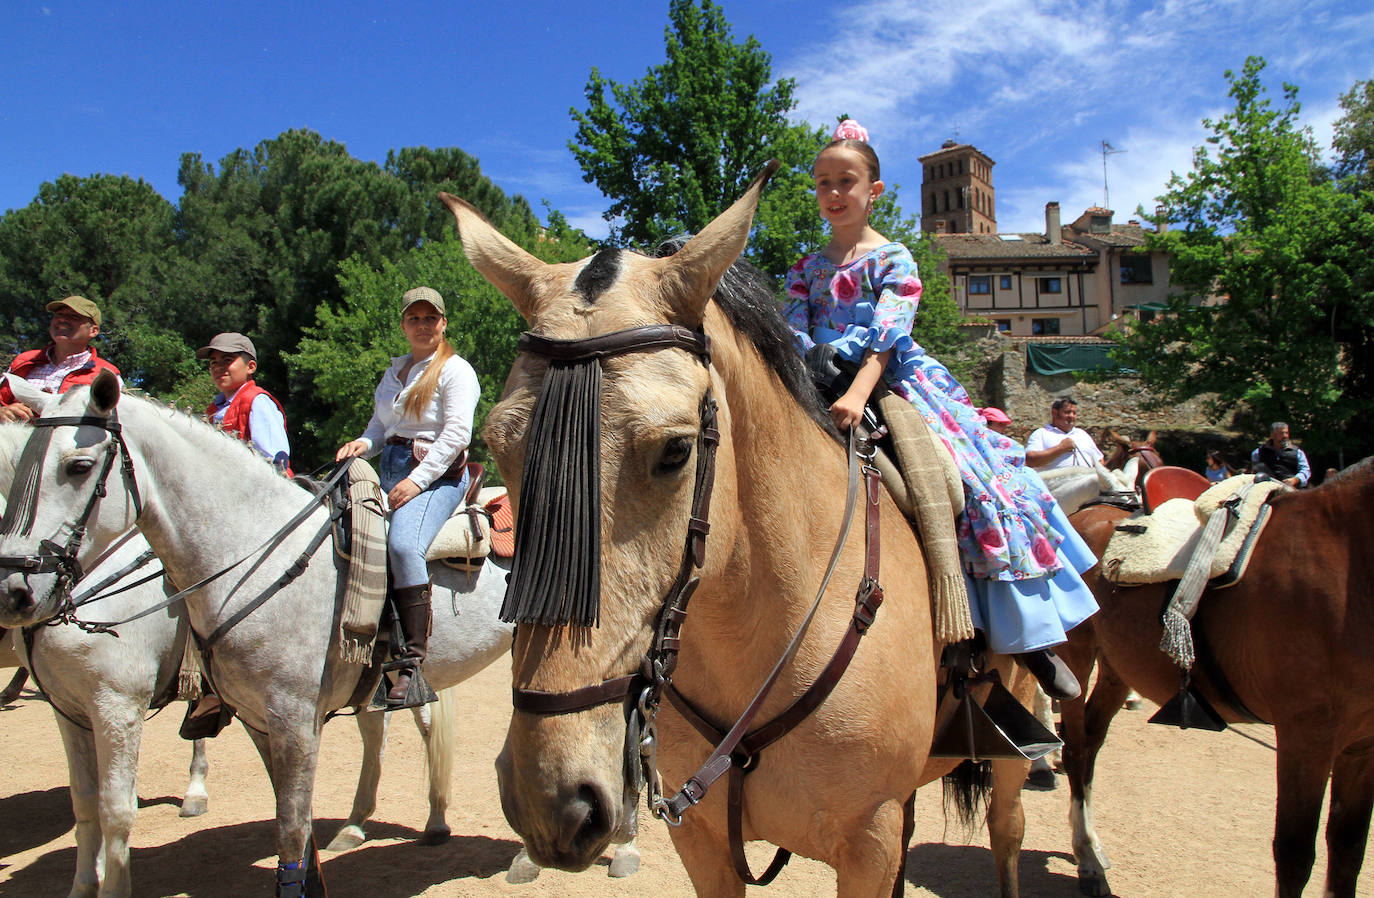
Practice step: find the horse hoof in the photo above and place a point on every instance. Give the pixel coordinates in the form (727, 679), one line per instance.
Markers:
(1041, 779)
(348, 838)
(1095, 886)
(194, 807)
(437, 836)
(1133, 702)
(522, 869)
(625, 862)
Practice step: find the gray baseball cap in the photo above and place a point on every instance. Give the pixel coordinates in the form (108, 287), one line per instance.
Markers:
(230, 342)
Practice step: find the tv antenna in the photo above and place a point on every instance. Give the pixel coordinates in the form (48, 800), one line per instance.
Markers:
(1107, 150)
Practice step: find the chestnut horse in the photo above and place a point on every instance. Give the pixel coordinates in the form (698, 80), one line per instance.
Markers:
(1288, 644)
(834, 788)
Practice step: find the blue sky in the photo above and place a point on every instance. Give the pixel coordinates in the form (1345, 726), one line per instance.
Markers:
(127, 87)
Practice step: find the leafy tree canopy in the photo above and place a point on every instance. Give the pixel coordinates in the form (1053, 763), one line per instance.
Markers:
(1275, 282)
(1354, 138)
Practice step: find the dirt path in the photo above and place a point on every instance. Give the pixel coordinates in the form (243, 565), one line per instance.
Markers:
(1199, 827)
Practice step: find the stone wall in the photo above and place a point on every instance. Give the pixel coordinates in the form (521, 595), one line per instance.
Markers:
(998, 376)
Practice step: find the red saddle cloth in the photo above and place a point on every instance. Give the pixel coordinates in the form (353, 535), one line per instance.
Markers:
(502, 526)
(1171, 482)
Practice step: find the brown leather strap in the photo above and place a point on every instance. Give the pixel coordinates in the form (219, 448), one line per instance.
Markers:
(535, 701)
(736, 834)
(740, 743)
(635, 339)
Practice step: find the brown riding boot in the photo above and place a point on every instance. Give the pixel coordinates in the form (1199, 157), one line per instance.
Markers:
(414, 613)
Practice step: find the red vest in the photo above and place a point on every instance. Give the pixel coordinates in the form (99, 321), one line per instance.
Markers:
(236, 417)
(25, 362)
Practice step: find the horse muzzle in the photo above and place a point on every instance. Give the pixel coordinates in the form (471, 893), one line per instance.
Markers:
(566, 811)
(17, 602)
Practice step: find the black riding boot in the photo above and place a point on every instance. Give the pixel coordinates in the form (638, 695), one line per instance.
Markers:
(414, 614)
(1054, 675)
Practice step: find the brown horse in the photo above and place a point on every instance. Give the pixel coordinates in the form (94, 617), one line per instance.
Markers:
(835, 787)
(1288, 645)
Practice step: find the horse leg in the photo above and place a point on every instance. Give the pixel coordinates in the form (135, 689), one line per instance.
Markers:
(868, 861)
(291, 754)
(1347, 825)
(1304, 764)
(196, 799)
(11, 692)
(1085, 729)
(116, 743)
(81, 770)
(705, 855)
(1007, 823)
(625, 861)
(436, 723)
(372, 727)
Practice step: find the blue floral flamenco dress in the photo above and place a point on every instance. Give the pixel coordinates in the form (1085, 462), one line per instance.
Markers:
(1021, 557)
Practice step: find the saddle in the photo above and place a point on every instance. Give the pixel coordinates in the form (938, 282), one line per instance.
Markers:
(482, 526)
(1161, 484)
(1157, 546)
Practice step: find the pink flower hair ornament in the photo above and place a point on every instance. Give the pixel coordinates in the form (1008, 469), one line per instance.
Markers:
(850, 130)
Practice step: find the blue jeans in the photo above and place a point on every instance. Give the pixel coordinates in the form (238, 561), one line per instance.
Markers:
(415, 524)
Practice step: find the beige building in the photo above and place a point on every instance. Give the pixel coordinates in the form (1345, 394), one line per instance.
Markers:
(1071, 280)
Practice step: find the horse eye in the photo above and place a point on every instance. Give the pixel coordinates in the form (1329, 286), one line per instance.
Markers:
(675, 454)
(78, 466)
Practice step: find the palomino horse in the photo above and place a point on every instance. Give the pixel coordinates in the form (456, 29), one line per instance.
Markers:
(1287, 645)
(204, 501)
(669, 370)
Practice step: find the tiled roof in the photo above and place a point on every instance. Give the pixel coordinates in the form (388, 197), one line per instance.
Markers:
(962, 247)
(1121, 235)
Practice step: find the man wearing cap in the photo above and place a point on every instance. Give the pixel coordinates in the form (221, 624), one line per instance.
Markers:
(243, 408)
(69, 360)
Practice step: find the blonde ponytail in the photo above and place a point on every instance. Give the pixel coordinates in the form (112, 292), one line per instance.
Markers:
(423, 390)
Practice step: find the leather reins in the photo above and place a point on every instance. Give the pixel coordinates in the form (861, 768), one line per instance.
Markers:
(737, 750)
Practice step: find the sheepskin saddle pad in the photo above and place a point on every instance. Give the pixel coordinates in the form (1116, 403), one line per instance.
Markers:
(484, 527)
(1156, 547)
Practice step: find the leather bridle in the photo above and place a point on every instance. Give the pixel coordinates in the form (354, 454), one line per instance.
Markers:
(53, 555)
(737, 750)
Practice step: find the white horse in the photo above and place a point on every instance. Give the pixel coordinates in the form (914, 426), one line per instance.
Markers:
(100, 687)
(206, 502)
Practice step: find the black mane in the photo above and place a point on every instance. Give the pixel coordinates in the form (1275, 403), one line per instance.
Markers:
(746, 296)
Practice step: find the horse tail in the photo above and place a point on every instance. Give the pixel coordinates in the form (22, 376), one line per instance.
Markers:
(443, 721)
(966, 789)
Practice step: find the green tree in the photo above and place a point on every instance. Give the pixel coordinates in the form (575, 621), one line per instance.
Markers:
(1272, 269)
(111, 239)
(1354, 138)
(676, 147)
(343, 354)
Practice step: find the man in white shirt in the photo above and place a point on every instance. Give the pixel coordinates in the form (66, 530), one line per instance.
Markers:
(1061, 444)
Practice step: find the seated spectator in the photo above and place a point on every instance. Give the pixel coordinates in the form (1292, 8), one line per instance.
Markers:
(1278, 459)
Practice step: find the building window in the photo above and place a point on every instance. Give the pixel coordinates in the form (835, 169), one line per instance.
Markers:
(1051, 285)
(946, 200)
(1136, 269)
(980, 283)
(1004, 282)
(961, 166)
(1003, 325)
(1045, 327)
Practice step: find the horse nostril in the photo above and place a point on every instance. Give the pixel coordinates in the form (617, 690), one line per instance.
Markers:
(587, 823)
(20, 595)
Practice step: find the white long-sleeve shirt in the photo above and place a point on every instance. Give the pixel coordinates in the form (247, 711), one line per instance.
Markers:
(446, 422)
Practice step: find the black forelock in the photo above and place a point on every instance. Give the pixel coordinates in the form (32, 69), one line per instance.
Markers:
(598, 274)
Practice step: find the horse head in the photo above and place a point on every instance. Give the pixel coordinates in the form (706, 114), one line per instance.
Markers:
(60, 512)
(607, 416)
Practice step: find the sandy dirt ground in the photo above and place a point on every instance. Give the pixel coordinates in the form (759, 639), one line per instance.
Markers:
(1180, 813)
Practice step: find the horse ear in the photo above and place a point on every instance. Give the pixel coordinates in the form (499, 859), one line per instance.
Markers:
(105, 392)
(28, 394)
(1150, 440)
(508, 267)
(694, 271)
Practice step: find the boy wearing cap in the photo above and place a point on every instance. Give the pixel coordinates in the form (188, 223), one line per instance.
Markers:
(243, 408)
(69, 360)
